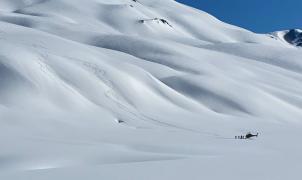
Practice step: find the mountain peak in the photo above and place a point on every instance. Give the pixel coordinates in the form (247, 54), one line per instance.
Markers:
(292, 36)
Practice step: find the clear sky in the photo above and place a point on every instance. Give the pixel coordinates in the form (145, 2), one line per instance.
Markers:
(256, 15)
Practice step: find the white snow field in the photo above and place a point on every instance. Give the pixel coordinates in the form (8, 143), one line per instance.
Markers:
(143, 90)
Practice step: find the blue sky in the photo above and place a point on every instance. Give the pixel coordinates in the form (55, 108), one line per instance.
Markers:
(256, 15)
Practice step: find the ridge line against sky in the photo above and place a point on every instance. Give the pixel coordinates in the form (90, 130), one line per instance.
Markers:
(259, 16)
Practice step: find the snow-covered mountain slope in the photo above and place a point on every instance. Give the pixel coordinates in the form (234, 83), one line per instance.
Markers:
(293, 36)
(146, 89)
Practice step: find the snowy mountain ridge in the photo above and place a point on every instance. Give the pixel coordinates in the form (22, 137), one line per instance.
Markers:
(92, 87)
(293, 36)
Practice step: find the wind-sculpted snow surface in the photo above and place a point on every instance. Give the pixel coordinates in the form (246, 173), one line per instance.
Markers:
(125, 89)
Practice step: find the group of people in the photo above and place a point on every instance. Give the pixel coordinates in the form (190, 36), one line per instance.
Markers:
(247, 136)
(239, 137)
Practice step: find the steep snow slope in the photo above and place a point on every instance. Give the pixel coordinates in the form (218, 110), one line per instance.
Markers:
(88, 87)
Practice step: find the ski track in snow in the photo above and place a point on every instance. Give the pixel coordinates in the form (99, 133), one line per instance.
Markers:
(125, 89)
